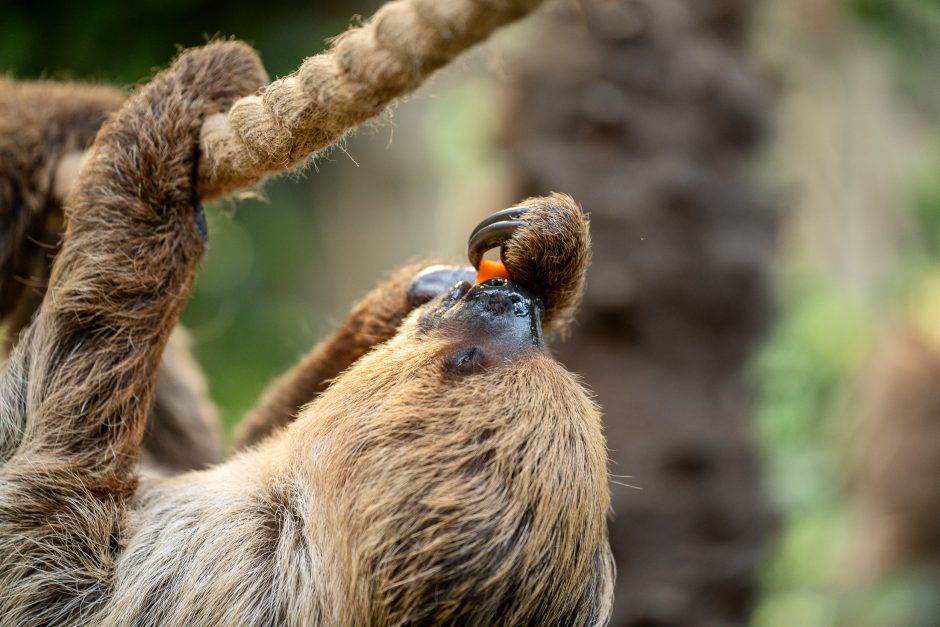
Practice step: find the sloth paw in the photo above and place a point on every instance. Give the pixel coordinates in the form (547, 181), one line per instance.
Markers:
(546, 247)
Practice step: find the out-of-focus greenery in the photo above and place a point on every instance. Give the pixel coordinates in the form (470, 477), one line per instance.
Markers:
(251, 315)
(806, 372)
(926, 204)
(911, 25)
(122, 42)
(806, 375)
(912, 30)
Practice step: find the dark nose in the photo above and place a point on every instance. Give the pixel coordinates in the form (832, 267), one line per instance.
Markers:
(504, 312)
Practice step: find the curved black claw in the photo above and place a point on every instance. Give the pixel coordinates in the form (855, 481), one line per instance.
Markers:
(494, 231)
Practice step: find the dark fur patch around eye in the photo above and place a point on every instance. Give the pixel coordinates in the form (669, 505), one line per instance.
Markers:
(466, 361)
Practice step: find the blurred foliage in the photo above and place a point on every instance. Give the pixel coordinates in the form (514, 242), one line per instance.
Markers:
(909, 24)
(818, 341)
(926, 206)
(122, 42)
(911, 29)
(250, 290)
(806, 375)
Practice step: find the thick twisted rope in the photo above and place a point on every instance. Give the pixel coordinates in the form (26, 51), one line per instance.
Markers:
(365, 70)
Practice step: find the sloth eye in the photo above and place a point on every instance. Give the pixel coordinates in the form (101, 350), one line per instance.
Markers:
(466, 361)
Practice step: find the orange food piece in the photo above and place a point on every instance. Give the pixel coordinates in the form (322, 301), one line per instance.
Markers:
(491, 270)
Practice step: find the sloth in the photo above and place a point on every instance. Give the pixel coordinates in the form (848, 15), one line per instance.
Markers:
(429, 463)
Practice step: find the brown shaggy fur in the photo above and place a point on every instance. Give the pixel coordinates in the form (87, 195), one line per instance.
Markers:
(406, 493)
(374, 320)
(42, 125)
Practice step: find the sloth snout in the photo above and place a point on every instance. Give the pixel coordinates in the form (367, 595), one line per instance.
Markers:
(505, 312)
(493, 322)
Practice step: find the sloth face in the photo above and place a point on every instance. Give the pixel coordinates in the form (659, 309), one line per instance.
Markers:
(490, 324)
(468, 350)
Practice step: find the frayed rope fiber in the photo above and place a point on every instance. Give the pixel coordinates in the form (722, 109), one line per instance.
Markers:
(366, 68)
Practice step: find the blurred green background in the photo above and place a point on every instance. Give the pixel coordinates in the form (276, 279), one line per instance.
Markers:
(856, 155)
(858, 142)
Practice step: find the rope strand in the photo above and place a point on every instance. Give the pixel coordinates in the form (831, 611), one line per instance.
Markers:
(277, 129)
(366, 69)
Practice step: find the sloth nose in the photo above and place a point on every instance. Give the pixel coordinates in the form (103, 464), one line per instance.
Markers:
(507, 311)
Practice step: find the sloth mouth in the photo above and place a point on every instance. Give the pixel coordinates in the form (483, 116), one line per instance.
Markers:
(496, 311)
(501, 297)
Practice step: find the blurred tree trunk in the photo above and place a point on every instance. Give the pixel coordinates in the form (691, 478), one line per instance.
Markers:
(647, 112)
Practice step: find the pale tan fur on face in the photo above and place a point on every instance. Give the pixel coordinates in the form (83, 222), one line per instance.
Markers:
(405, 493)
